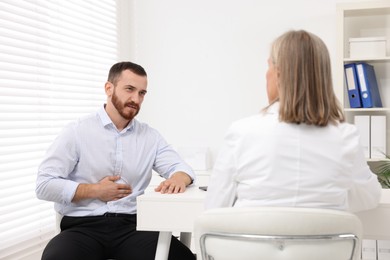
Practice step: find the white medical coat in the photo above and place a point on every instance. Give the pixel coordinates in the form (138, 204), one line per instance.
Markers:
(265, 162)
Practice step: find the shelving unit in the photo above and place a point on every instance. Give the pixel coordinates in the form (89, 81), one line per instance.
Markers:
(364, 19)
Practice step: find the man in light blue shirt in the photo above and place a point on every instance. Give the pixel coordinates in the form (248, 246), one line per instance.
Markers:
(96, 168)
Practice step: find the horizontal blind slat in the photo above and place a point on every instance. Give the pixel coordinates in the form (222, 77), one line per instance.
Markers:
(59, 46)
(17, 156)
(25, 140)
(37, 93)
(10, 166)
(27, 244)
(18, 125)
(19, 174)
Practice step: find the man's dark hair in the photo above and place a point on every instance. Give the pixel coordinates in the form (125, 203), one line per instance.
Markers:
(117, 69)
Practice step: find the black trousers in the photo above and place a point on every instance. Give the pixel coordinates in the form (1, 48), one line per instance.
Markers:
(108, 237)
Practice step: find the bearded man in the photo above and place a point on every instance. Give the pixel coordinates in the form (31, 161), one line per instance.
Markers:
(96, 168)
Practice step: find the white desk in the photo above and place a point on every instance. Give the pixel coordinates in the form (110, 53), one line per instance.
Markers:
(169, 213)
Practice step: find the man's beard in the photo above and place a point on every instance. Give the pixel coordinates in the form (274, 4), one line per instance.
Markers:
(121, 107)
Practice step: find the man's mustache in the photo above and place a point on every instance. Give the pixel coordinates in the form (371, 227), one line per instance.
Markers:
(132, 104)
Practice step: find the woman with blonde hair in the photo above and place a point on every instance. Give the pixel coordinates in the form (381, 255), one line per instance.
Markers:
(298, 151)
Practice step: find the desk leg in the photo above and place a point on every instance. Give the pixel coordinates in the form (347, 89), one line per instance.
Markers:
(185, 238)
(164, 241)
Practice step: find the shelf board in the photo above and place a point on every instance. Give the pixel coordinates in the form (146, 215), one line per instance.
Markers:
(377, 160)
(373, 109)
(367, 59)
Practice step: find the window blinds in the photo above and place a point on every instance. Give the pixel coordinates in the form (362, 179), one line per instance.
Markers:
(54, 60)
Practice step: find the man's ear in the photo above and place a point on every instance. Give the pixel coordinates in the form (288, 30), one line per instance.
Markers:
(109, 88)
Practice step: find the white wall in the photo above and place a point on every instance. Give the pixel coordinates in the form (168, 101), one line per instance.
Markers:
(206, 59)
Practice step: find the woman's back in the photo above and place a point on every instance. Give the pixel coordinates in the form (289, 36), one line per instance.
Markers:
(272, 163)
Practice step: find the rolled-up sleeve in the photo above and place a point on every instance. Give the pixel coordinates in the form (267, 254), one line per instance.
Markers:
(53, 183)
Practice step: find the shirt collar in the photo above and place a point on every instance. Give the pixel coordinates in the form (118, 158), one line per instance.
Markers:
(273, 108)
(106, 120)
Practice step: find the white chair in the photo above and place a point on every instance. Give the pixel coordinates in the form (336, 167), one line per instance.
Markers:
(276, 233)
(58, 223)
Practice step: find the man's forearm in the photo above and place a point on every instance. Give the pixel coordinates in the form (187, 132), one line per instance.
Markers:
(85, 191)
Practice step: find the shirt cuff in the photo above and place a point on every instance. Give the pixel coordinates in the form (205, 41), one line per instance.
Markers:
(69, 191)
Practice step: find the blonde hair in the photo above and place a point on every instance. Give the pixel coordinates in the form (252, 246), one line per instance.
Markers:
(305, 87)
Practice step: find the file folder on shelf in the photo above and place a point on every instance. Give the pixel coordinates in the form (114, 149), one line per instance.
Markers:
(383, 249)
(362, 123)
(369, 249)
(352, 85)
(378, 136)
(369, 91)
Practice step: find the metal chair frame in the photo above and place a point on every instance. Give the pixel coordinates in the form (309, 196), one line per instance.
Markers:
(279, 240)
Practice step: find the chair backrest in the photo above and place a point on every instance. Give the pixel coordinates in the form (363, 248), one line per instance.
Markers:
(277, 233)
(58, 223)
